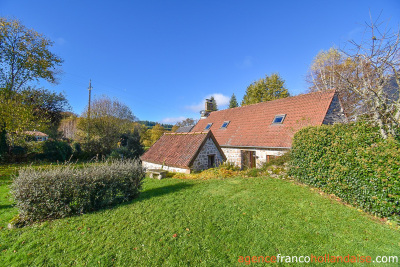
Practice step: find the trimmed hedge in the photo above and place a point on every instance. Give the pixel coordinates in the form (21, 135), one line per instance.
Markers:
(65, 190)
(351, 161)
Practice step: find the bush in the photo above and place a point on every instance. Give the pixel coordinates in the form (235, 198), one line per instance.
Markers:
(56, 150)
(48, 150)
(225, 170)
(76, 150)
(64, 190)
(18, 154)
(3, 145)
(352, 162)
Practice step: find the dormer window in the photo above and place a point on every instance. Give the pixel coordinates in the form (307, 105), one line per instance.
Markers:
(208, 127)
(225, 124)
(279, 119)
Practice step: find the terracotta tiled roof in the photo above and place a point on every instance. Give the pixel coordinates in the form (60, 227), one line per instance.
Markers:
(177, 149)
(35, 133)
(251, 126)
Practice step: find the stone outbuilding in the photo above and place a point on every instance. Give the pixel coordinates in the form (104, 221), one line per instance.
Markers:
(251, 135)
(184, 152)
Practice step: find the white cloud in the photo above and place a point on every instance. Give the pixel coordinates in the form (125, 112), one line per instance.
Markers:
(172, 120)
(222, 102)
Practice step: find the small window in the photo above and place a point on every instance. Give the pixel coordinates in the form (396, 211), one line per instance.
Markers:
(225, 124)
(279, 119)
(208, 126)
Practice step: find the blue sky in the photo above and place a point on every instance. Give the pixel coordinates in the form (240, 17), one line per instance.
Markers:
(163, 58)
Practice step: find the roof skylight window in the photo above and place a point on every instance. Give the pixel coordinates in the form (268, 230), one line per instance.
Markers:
(225, 124)
(279, 119)
(208, 127)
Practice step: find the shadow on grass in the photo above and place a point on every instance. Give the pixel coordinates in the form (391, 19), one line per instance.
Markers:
(144, 195)
(147, 194)
(160, 191)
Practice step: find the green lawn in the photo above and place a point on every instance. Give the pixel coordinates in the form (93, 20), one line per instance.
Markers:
(200, 222)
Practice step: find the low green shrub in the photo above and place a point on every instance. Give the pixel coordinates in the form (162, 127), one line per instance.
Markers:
(252, 172)
(76, 150)
(56, 150)
(224, 170)
(64, 190)
(351, 161)
(18, 154)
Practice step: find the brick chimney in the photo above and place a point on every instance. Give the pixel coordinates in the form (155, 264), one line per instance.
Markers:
(209, 105)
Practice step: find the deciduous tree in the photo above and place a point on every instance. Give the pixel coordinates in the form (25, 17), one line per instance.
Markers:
(109, 119)
(24, 56)
(186, 122)
(48, 106)
(152, 135)
(266, 89)
(326, 72)
(376, 77)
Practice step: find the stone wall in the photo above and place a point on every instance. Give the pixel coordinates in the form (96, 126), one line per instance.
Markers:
(335, 112)
(234, 155)
(209, 148)
(149, 165)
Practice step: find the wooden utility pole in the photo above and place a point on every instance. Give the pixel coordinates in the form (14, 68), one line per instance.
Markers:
(90, 95)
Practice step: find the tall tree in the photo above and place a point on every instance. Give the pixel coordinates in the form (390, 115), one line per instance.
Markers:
(17, 116)
(131, 142)
(24, 56)
(214, 104)
(108, 120)
(367, 77)
(233, 102)
(377, 70)
(326, 72)
(152, 135)
(48, 106)
(267, 89)
(186, 122)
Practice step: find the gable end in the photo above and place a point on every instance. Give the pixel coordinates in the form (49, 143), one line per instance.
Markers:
(335, 113)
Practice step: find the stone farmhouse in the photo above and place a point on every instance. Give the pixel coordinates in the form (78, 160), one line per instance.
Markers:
(251, 135)
(184, 152)
(246, 136)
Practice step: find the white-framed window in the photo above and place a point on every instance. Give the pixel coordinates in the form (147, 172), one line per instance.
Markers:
(208, 127)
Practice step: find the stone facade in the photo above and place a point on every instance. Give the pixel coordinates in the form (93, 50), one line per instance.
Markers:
(201, 161)
(234, 155)
(149, 165)
(335, 112)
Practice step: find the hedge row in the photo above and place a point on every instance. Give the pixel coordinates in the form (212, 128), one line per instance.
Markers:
(65, 190)
(351, 161)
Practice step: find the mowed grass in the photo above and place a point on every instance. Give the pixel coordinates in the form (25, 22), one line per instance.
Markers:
(200, 222)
